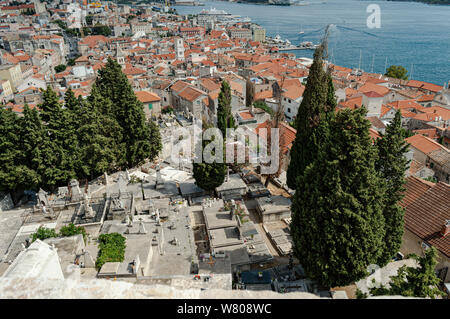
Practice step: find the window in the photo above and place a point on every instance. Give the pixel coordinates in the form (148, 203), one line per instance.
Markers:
(150, 106)
(289, 110)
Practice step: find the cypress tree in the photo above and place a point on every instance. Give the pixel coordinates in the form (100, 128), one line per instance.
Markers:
(314, 113)
(249, 93)
(57, 166)
(72, 114)
(100, 137)
(224, 117)
(337, 220)
(129, 113)
(31, 140)
(209, 176)
(10, 153)
(392, 164)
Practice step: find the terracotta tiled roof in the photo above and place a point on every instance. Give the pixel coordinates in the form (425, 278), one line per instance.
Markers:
(294, 92)
(376, 122)
(191, 94)
(438, 111)
(406, 104)
(424, 85)
(352, 103)
(427, 210)
(286, 134)
(179, 86)
(428, 132)
(368, 87)
(415, 187)
(263, 95)
(146, 97)
(209, 84)
(246, 115)
(426, 98)
(423, 144)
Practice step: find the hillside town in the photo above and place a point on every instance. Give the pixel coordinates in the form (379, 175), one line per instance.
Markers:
(239, 236)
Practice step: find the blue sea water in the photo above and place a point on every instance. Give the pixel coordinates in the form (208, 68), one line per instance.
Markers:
(412, 34)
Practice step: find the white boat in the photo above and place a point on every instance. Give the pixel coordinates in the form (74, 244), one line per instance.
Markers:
(277, 38)
(301, 30)
(308, 45)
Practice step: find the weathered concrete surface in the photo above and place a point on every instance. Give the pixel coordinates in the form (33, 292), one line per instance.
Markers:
(101, 288)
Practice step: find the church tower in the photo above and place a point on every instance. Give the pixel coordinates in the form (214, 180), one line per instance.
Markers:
(179, 49)
(120, 56)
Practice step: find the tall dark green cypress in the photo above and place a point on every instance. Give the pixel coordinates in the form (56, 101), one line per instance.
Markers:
(100, 136)
(209, 176)
(224, 117)
(337, 219)
(10, 153)
(392, 165)
(57, 167)
(129, 113)
(312, 119)
(72, 120)
(31, 140)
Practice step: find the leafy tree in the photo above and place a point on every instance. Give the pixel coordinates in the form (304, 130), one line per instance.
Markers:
(101, 30)
(224, 117)
(71, 62)
(314, 113)
(60, 68)
(89, 19)
(392, 164)
(129, 113)
(414, 282)
(337, 218)
(397, 72)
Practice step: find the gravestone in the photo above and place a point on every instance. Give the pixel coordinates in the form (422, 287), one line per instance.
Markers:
(88, 260)
(122, 184)
(88, 211)
(77, 195)
(142, 229)
(6, 202)
(42, 198)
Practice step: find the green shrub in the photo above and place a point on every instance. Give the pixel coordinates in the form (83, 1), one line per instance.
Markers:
(72, 230)
(44, 233)
(111, 249)
(60, 68)
(66, 231)
(262, 105)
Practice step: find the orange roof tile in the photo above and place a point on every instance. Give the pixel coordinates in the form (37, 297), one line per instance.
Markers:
(146, 97)
(423, 144)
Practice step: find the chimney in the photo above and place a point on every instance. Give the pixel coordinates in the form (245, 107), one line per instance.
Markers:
(445, 228)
